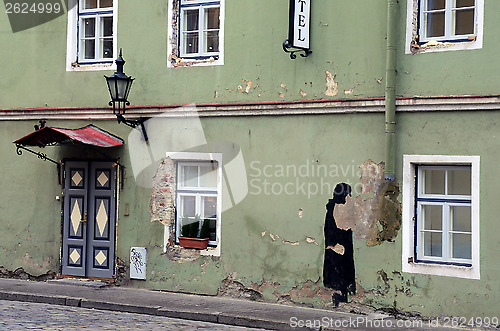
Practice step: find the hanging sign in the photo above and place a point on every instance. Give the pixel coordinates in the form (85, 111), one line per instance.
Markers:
(299, 28)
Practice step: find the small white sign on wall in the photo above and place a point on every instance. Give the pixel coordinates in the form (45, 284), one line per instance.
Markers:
(138, 260)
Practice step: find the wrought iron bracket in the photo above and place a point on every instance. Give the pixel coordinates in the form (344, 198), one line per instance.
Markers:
(134, 124)
(41, 156)
(288, 48)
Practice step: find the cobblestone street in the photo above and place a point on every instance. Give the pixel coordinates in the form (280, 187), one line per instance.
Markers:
(15, 315)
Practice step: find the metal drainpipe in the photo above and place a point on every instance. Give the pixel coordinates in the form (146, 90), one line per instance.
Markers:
(390, 90)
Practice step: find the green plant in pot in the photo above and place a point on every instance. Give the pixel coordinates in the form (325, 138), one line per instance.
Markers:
(194, 234)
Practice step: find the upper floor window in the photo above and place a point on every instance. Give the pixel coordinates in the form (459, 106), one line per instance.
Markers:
(447, 20)
(91, 34)
(200, 26)
(196, 32)
(436, 25)
(95, 21)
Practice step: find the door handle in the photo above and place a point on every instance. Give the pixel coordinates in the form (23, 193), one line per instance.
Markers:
(85, 218)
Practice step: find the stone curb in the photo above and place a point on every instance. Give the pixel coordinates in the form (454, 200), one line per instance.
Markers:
(212, 317)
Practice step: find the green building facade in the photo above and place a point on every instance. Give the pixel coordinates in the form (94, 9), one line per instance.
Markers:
(254, 142)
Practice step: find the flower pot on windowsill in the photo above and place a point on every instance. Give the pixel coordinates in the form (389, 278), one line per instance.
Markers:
(195, 243)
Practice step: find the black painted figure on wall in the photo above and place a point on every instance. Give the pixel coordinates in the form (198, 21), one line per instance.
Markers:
(338, 268)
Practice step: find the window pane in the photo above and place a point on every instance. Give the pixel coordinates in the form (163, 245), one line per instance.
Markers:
(432, 217)
(433, 181)
(461, 246)
(211, 41)
(212, 18)
(189, 176)
(89, 27)
(460, 218)
(464, 22)
(88, 50)
(90, 4)
(190, 20)
(188, 207)
(213, 230)
(432, 244)
(190, 43)
(434, 24)
(459, 182)
(208, 175)
(209, 207)
(105, 3)
(435, 4)
(107, 48)
(107, 27)
(464, 3)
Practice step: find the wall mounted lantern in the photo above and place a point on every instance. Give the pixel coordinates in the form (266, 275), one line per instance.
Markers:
(119, 87)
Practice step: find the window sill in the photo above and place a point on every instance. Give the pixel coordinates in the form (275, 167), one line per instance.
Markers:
(209, 251)
(441, 270)
(176, 62)
(91, 67)
(441, 46)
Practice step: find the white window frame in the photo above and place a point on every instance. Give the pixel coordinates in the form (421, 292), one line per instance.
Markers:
(197, 192)
(182, 158)
(446, 202)
(409, 260)
(201, 8)
(73, 61)
(447, 43)
(174, 43)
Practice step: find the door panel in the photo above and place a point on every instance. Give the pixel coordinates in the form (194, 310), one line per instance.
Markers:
(74, 209)
(101, 226)
(89, 214)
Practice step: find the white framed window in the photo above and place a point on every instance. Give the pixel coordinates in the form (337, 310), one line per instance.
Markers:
(437, 25)
(199, 28)
(198, 197)
(441, 215)
(91, 35)
(196, 32)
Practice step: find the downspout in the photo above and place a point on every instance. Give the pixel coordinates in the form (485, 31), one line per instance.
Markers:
(390, 90)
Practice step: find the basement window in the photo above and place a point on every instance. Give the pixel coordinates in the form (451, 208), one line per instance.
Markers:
(436, 25)
(196, 32)
(441, 215)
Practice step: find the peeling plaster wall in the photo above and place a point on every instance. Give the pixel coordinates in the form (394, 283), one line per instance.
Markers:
(30, 215)
(272, 243)
(375, 219)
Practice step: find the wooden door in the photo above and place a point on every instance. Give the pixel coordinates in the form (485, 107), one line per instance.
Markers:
(89, 219)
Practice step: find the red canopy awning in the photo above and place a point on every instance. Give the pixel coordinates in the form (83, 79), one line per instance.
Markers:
(89, 135)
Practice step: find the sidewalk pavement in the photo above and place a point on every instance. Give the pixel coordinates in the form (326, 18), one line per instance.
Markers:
(97, 295)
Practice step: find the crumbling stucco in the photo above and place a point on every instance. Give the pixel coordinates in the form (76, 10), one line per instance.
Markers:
(234, 289)
(162, 209)
(276, 237)
(376, 219)
(122, 272)
(332, 88)
(308, 293)
(20, 273)
(161, 206)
